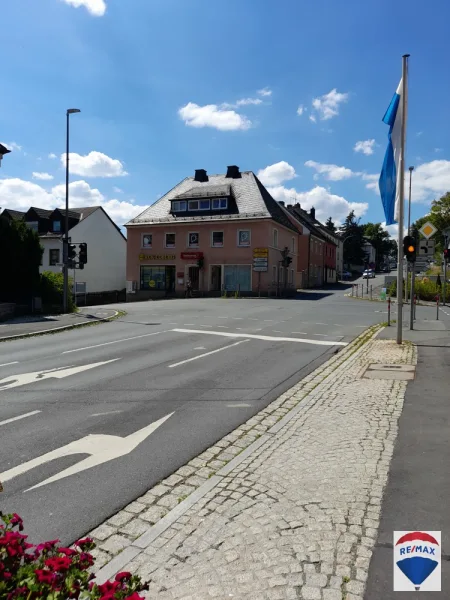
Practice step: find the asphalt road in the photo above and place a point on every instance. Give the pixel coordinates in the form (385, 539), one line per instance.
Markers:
(195, 369)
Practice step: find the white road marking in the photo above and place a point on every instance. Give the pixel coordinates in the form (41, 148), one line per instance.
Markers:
(223, 326)
(320, 323)
(30, 414)
(102, 448)
(13, 381)
(172, 323)
(110, 412)
(268, 320)
(301, 332)
(241, 405)
(223, 317)
(240, 328)
(205, 325)
(321, 334)
(277, 331)
(267, 338)
(188, 324)
(200, 348)
(136, 337)
(206, 353)
(238, 318)
(11, 363)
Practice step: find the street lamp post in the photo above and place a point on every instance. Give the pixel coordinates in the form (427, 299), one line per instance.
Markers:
(69, 112)
(411, 169)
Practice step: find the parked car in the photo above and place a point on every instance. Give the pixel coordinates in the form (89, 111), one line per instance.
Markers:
(368, 274)
(346, 275)
(386, 269)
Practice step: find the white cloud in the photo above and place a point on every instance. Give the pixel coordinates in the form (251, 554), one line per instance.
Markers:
(373, 181)
(300, 110)
(327, 106)
(438, 150)
(94, 164)
(97, 8)
(51, 155)
(214, 116)
(12, 146)
(325, 203)
(365, 146)
(247, 101)
(20, 195)
(331, 172)
(391, 229)
(117, 190)
(312, 118)
(277, 173)
(42, 176)
(265, 92)
(419, 133)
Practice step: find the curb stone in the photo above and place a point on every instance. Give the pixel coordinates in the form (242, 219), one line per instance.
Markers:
(192, 481)
(21, 336)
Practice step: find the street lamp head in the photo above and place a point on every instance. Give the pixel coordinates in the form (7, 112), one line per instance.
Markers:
(71, 111)
(411, 169)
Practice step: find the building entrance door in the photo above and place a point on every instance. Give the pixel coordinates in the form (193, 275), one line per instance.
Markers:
(194, 276)
(170, 280)
(216, 278)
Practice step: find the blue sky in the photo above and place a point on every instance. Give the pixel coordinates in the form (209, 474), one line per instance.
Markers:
(169, 86)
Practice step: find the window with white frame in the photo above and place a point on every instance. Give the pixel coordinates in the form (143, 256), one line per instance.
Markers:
(34, 225)
(179, 206)
(244, 237)
(53, 257)
(204, 204)
(170, 240)
(193, 239)
(219, 203)
(291, 276)
(293, 245)
(56, 226)
(147, 240)
(193, 205)
(274, 274)
(275, 238)
(217, 239)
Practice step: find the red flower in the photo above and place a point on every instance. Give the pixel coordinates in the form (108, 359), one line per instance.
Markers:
(16, 520)
(67, 551)
(47, 545)
(86, 560)
(108, 587)
(84, 542)
(124, 576)
(6, 575)
(44, 576)
(134, 596)
(59, 563)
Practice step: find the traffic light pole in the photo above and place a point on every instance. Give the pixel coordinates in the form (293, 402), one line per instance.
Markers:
(444, 287)
(413, 278)
(66, 227)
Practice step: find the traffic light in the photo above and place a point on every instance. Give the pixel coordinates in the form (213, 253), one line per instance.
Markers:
(82, 255)
(287, 261)
(72, 252)
(409, 248)
(447, 255)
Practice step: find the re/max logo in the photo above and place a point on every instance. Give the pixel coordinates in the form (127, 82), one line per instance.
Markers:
(423, 549)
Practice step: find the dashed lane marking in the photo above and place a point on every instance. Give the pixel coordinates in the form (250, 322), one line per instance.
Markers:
(29, 414)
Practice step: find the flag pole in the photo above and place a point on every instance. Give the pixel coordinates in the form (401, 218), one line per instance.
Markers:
(401, 211)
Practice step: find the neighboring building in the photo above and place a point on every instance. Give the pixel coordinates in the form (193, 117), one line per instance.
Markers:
(370, 254)
(106, 245)
(221, 232)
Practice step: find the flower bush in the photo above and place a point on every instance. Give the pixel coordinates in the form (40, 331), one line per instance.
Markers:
(52, 572)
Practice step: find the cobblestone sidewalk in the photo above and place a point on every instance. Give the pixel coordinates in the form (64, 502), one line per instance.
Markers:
(293, 515)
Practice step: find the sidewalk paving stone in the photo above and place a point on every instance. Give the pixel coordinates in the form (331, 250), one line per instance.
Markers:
(297, 517)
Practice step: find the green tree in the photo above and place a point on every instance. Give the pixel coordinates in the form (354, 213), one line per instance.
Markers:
(330, 225)
(352, 233)
(380, 240)
(20, 257)
(439, 215)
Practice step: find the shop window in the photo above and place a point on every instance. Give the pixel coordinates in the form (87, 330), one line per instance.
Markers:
(154, 278)
(217, 239)
(238, 278)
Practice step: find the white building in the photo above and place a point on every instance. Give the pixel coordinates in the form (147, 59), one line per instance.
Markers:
(106, 245)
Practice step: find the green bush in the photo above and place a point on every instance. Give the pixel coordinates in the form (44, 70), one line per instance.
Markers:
(424, 289)
(52, 291)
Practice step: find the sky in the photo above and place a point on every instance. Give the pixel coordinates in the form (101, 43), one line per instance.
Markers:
(293, 90)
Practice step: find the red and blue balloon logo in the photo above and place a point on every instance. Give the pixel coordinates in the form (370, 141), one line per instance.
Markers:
(417, 554)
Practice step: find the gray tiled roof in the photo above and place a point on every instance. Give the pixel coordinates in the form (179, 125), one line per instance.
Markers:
(252, 199)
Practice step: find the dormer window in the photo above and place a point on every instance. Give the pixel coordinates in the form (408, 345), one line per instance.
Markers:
(219, 203)
(179, 206)
(56, 226)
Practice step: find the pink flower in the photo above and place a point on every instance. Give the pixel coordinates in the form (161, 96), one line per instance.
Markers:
(134, 596)
(59, 563)
(124, 576)
(44, 576)
(67, 551)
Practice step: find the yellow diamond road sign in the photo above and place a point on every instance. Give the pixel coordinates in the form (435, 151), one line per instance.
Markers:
(428, 230)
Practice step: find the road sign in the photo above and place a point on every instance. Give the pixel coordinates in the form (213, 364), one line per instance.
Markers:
(260, 260)
(259, 269)
(428, 230)
(426, 248)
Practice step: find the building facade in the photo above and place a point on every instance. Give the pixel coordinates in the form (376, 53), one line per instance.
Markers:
(219, 233)
(105, 269)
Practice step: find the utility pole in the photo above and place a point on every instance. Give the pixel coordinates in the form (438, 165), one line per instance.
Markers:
(69, 112)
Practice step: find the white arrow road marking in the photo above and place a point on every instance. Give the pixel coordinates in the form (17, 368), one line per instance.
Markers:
(102, 448)
(25, 378)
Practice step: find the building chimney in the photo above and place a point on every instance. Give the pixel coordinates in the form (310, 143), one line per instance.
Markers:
(200, 175)
(233, 172)
(289, 206)
(312, 212)
(297, 205)
(281, 202)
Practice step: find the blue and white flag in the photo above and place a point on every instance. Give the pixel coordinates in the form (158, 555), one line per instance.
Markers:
(389, 181)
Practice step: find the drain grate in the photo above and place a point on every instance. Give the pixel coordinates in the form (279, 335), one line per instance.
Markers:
(386, 371)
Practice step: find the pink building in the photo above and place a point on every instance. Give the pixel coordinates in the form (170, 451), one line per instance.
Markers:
(221, 232)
